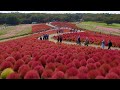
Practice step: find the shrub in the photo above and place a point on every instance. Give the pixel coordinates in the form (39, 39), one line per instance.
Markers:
(93, 74)
(83, 69)
(39, 69)
(32, 74)
(6, 72)
(6, 64)
(18, 64)
(23, 70)
(112, 75)
(13, 76)
(47, 73)
(100, 77)
(58, 75)
(11, 59)
(72, 71)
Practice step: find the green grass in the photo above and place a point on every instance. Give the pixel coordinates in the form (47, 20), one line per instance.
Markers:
(14, 31)
(92, 26)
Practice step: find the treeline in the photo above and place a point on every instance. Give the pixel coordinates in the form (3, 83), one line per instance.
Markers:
(106, 18)
(25, 18)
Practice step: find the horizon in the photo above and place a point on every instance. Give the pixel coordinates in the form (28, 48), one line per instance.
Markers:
(63, 12)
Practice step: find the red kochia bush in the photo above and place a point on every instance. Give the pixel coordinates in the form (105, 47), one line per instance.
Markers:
(11, 59)
(58, 75)
(115, 70)
(39, 69)
(13, 76)
(47, 74)
(91, 66)
(6, 64)
(83, 62)
(34, 64)
(71, 72)
(112, 75)
(81, 75)
(23, 70)
(18, 64)
(77, 63)
(83, 69)
(100, 77)
(105, 68)
(62, 68)
(92, 74)
(90, 60)
(26, 58)
(50, 66)
(32, 74)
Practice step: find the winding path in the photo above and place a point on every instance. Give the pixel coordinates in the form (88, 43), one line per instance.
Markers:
(74, 43)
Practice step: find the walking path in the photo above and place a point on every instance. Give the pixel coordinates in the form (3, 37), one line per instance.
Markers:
(74, 43)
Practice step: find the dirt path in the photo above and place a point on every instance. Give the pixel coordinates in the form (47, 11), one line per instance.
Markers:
(73, 43)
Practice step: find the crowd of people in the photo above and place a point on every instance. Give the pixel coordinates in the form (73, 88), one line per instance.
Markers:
(78, 41)
(87, 42)
(44, 37)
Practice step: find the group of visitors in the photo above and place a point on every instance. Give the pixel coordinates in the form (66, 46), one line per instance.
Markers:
(44, 37)
(109, 44)
(59, 39)
(87, 42)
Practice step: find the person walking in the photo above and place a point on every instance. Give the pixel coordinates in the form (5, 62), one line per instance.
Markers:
(103, 44)
(86, 41)
(109, 44)
(60, 39)
(78, 40)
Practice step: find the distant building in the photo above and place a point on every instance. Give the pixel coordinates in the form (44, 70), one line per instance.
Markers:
(34, 22)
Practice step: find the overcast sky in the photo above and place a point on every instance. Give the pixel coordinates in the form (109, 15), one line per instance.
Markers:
(111, 12)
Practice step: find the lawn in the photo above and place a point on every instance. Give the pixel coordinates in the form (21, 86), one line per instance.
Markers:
(14, 31)
(92, 26)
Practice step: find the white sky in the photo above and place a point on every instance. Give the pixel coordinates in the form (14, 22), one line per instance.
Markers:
(111, 12)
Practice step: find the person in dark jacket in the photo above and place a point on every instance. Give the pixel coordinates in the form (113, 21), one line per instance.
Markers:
(86, 41)
(78, 40)
(109, 44)
(60, 39)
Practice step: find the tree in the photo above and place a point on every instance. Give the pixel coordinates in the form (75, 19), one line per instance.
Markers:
(12, 20)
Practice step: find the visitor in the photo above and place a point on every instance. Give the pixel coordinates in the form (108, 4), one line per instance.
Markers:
(86, 41)
(103, 44)
(43, 36)
(78, 40)
(109, 44)
(60, 39)
(40, 37)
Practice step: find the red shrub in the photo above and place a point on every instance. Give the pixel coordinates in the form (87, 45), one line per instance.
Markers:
(50, 66)
(39, 69)
(11, 59)
(83, 62)
(23, 70)
(112, 75)
(72, 71)
(50, 59)
(93, 74)
(13, 76)
(90, 60)
(77, 63)
(91, 66)
(34, 64)
(105, 68)
(47, 74)
(100, 77)
(26, 58)
(58, 75)
(81, 75)
(115, 70)
(83, 69)
(98, 64)
(18, 64)
(69, 65)
(62, 68)
(32, 74)
(6, 64)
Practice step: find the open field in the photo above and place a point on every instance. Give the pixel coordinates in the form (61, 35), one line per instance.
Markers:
(13, 31)
(101, 27)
